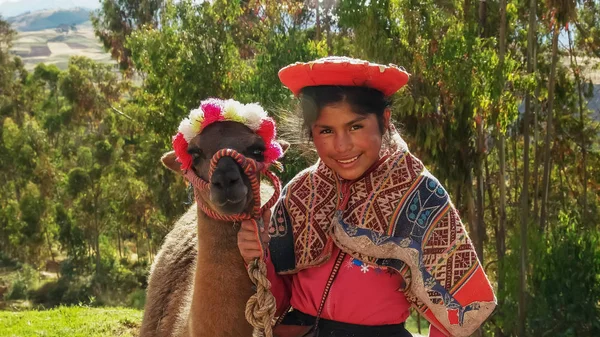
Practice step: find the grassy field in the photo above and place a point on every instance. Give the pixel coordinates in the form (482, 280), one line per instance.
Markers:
(51, 47)
(72, 322)
(89, 322)
(86, 322)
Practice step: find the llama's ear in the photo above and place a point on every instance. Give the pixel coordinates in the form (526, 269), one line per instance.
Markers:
(284, 145)
(169, 160)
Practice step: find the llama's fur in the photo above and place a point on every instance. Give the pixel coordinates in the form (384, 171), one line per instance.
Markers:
(173, 274)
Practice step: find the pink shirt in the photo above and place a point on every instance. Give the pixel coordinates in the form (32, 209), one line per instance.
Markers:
(360, 294)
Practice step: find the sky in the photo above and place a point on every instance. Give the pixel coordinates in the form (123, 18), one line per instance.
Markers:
(10, 8)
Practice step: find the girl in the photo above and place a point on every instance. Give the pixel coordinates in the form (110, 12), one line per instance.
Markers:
(367, 232)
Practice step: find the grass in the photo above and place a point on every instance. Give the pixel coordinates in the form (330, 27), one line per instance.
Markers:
(96, 322)
(72, 322)
(411, 325)
(93, 322)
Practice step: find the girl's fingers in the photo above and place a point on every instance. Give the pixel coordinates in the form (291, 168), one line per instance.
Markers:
(266, 219)
(247, 241)
(265, 237)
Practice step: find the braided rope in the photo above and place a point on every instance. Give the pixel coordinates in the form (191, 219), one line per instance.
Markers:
(260, 308)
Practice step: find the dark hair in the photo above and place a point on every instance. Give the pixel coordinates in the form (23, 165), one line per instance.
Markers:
(362, 100)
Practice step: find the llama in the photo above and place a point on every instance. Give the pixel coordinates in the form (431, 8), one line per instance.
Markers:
(198, 284)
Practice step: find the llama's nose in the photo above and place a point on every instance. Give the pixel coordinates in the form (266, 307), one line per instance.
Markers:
(223, 180)
(226, 174)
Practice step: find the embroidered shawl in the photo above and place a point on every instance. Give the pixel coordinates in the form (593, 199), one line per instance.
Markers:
(396, 216)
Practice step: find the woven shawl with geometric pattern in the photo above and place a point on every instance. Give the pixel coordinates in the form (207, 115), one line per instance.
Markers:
(397, 215)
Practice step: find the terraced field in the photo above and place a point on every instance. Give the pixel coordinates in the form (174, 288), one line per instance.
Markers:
(51, 47)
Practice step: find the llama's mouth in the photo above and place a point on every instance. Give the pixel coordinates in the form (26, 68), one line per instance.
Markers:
(231, 205)
(229, 201)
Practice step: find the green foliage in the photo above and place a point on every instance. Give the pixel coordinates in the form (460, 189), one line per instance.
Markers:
(190, 56)
(6, 261)
(79, 181)
(70, 236)
(119, 283)
(116, 275)
(104, 152)
(32, 207)
(26, 280)
(117, 19)
(294, 161)
(137, 299)
(564, 294)
(280, 41)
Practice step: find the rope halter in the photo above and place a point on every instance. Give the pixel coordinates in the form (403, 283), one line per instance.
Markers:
(251, 169)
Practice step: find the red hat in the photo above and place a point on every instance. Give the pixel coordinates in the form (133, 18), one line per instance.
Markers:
(344, 71)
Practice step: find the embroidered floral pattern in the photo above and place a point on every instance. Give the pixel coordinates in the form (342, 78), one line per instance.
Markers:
(364, 268)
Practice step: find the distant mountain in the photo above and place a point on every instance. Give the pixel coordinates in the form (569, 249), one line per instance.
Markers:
(9, 8)
(50, 18)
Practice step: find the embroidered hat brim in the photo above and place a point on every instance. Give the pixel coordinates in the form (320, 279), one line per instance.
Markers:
(343, 71)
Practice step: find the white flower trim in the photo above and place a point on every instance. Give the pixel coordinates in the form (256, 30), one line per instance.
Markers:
(254, 115)
(189, 129)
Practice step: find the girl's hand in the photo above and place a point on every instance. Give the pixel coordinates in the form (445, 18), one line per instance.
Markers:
(247, 238)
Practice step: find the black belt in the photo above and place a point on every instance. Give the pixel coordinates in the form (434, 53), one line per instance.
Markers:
(328, 328)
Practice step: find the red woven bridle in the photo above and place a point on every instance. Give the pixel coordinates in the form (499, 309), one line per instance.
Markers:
(251, 169)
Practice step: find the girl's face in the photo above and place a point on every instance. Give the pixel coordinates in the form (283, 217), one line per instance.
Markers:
(347, 142)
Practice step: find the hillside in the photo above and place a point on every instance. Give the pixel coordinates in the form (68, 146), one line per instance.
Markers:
(52, 47)
(49, 19)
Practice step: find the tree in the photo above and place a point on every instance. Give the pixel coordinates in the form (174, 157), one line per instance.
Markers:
(562, 13)
(192, 40)
(500, 136)
(91, 89)
(116, 21)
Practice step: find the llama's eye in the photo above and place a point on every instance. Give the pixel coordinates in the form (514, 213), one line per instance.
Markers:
(197, 155)
(256, 153)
